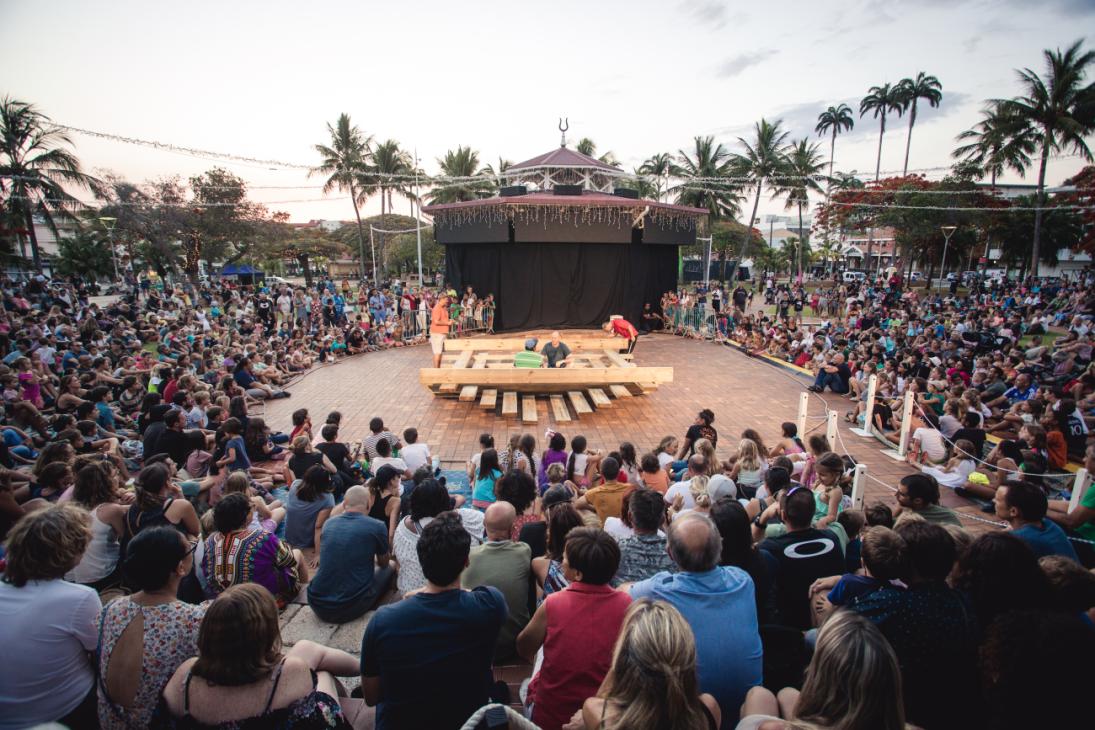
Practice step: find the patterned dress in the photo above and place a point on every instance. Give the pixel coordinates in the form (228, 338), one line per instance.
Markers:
(249, 556)
(170, 638)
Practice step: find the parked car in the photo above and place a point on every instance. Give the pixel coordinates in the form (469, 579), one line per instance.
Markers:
(853, 276)
(276, 281)
(916, 277)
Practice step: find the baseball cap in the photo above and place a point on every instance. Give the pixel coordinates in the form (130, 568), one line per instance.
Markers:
(530, 343)
(721, 485)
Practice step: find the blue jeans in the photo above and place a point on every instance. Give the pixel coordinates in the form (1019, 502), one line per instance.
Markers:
(382, 580)
(832, 380)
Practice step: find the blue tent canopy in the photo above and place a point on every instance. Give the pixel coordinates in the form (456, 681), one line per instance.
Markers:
(240, 270)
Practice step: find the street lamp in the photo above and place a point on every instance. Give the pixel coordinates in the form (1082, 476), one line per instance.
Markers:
(109, 224)
(948, 231)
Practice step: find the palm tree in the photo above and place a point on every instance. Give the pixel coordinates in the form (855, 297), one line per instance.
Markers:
(660, 167)
(346, 163)
(392, 167)
(589, 148)
(708, 162)
(1000, 141)
(881, 101)
(499, 174)
(834, 120)
(33, 157)
(1060, 109)
(764, 158)
(463, 162)
(923, 87)
(804, 164)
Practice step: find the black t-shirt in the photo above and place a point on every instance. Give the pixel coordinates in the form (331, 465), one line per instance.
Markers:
(555, 354)
(800, 558)
(844, 373)
(337, 452)
(534, 534)
(300, 463)
(179, 445)
(740, 296)
(701, 431)
(975, 436)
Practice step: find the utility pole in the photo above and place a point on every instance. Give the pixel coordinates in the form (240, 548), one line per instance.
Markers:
(706, 260)
(109, 224)
(418, 217)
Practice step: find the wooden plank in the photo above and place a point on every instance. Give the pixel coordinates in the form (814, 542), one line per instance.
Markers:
(516, 344)
(599, 398)
(559, 409)
(579, 402)
(468, 393)
(580, 377)
(489, 398)
(619, 391)
(448, 387)
(615, 359)
(528, 409)
(509, 403)
(464, 359)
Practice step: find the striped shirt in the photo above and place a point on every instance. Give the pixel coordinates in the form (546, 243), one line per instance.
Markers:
(528, 359)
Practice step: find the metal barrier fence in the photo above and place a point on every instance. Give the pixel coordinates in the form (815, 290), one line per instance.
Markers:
(416, 323)
(701, 322)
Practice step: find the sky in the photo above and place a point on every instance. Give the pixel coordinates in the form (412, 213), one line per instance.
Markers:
(263, 79)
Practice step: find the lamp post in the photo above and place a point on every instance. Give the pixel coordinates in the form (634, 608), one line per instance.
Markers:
(418, 218)
(109, 223)
(948, 231)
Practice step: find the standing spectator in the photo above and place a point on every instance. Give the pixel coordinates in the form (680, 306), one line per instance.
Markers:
(48, 623)
(439, 327)
(799, 556)
(353, 569)
(133, 672)
(577, 628)
(1023, 506)
(504, 564)
(441, 637)
(652, 682)
(644, 553)
(718, 603)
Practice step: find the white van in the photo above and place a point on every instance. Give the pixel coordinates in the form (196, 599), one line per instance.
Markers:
(850, 277)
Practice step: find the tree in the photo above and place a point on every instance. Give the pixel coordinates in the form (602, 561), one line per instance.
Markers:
(346, 163)
(764, 158)
(463, 162)
(660, 167)
(85, 254)
(834, 121)
(499, 174)
(1061, 111)
(226, 223)
(1062, 228)
(803, 165)
(304, 246)
(392, 168)
(910, 92)
(34, 158)
(880, 101)
(702, 187)
(589, 148)
(1000, 141)
(1084, 195)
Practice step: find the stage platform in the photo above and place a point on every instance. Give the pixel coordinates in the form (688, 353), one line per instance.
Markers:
(480, 368)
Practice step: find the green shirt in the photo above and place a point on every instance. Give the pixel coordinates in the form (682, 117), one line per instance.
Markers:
(939, 515)
(528, 359)
(1087, 530)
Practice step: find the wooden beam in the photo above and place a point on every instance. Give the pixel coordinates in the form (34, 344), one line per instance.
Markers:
(559, 409)
(509, 403)
(528, 409)
(615, 359)
(531, 377)
(468, 392)
(516, 344)
(464, 359)
(490, 397)
(619, 391)
(579, 402)
(599, 398)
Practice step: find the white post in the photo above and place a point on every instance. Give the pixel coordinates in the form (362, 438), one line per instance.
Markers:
(418, 218)
(372, 249)
(803, 407)
(859, 483)
(872, 385)
(1079, 485)
(830, 431)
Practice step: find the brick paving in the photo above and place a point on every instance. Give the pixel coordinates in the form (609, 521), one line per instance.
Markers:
(743, 392)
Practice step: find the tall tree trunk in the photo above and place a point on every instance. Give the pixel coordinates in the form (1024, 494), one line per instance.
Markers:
(34, 238)
(306, 266)
(749, 225)
(870, 227)
(1040, 203)
(360, 233)
(801, 243)
(908, 140)
(829, 185)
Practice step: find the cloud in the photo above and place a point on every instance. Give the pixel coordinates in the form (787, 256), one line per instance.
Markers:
(711, 13)
(736, 64)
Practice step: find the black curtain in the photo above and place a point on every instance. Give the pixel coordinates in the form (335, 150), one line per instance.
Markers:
(559, 285)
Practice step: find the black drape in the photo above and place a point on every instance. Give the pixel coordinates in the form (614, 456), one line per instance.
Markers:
(549, 285)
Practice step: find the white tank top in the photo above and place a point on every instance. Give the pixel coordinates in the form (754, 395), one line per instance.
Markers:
(101, 556)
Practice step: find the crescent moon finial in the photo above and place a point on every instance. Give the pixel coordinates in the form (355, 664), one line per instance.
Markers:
(564, 125)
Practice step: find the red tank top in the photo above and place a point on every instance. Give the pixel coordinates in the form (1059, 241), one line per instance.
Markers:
(583, 623)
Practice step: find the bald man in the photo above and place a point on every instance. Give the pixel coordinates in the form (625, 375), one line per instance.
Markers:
(504, 564)
(719, 603)
(353, 563)
(556, 353)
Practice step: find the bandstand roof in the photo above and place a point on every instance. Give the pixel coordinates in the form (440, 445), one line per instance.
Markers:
(565, 157)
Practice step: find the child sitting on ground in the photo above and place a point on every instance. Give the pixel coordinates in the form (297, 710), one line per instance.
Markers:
(884, 561)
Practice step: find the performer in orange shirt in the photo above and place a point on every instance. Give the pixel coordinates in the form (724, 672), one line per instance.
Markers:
(439, 327)
(622, 328)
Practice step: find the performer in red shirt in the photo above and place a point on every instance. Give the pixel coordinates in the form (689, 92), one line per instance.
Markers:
(622, 328)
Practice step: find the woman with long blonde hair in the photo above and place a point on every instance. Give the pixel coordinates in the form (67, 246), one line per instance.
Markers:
(853, 683)
(707, 449)
(749, 469)
(652, 682)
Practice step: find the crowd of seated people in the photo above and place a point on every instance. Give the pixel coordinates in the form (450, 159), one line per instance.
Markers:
(647, 586)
